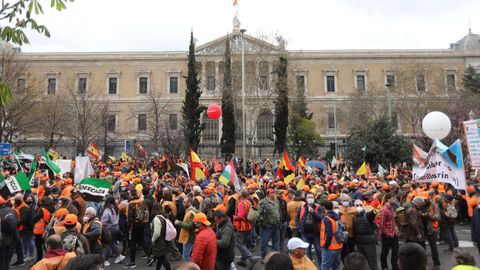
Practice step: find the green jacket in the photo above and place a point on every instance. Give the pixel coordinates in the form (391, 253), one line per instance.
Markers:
(269, 212)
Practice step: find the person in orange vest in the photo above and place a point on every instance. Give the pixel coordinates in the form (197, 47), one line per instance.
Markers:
(331, 249)
(40, 220)
(56, 257)
(21, 209)
(472, 200)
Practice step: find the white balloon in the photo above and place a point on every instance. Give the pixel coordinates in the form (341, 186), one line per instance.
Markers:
(436, 125)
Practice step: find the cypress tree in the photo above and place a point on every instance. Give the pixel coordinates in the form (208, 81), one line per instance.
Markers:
(192, 128)
(227, 142)
(281, 107)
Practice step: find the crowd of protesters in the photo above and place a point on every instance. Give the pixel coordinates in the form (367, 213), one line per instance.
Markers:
(321, 219)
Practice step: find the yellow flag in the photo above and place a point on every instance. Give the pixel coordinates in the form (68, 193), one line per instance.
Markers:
(124, 156)
(300, 184)
(363, 169)
(196, 166)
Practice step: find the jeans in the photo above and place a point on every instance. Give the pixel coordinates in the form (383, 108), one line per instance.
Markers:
(241, 243)
(19, 250)
(313, 240)
(112, 246)
(268, 232)
(389, 243)
(28, 243)
(448, 231)
(283, 234)
(330, 259)
(187, 251)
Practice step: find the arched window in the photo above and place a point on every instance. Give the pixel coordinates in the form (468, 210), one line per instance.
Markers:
(265, 126)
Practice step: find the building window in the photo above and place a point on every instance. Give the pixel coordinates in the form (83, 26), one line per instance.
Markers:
(390, 81)
(210, 84)
(451, 82)
(112, 85)
(52, 86)
(173, 86)
(331, 120)
(172, 121)
(111, 122)
(263, 82)
(82, 86)
(21, 83)
(421, 83)
(142, 122)
(143, 85)
(361, 82)
(210, 133)
(330, 83)
(301, 83)
(264, 126)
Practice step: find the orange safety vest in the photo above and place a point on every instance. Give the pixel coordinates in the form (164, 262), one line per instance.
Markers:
(302, 211)
(39, 227)
(17, 210)
(334, 245)
(434, 222)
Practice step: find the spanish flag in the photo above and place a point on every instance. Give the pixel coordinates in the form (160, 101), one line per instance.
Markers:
(196, 167)
(301, 165)
(286, 171)
(93, 151)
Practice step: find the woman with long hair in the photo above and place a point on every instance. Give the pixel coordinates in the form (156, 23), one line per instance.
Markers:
(110, 222)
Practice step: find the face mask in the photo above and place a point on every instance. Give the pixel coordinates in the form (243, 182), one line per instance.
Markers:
(85, 219)
(345, 204)
(18, 202)
(359, 209)
(336, 211)
(310, 201)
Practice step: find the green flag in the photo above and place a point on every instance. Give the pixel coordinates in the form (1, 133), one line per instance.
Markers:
(94, 189)
(33, 169)
(18, 182)
(52, 165)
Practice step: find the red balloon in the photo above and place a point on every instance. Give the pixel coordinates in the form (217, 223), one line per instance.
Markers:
(214, 111)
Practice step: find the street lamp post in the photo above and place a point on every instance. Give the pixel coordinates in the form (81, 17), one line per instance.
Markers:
(244, 151)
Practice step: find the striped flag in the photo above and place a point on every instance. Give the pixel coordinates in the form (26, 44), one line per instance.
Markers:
(93, 151)
(286, 171)
(94, 189)
(229, 175)
(301, 165)
(54, 155)
(196, 166)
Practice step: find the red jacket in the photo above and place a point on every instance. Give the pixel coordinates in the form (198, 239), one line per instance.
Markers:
(205, 249)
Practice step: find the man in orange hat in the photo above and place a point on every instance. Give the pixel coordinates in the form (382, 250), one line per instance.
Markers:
(205, 246)
(73, 240)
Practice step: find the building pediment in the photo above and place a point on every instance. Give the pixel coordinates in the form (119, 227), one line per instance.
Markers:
(252, 45)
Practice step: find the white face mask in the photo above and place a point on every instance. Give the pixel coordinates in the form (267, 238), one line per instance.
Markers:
(310, 201)
(85, 219)
(359, 209)
(336, 211)
(345, 204)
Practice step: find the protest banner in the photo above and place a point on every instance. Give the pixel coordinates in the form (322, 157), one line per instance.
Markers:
(442, 164)
(472, 136)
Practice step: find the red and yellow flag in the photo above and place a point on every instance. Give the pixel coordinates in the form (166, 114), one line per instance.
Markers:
(93, 151)
(196, 166)
(286, 171)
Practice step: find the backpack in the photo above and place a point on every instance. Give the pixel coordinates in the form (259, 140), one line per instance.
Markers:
(170, 231)
(142, 214)
(341, 233)
(401, 217)
(71, 243)
(253, 214)
(451, 211)
(11, 217)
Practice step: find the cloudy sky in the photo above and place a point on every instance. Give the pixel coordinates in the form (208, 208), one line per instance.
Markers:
(164, 25)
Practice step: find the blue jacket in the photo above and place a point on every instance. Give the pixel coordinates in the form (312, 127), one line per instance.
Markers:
(328, 227)
(476, 225)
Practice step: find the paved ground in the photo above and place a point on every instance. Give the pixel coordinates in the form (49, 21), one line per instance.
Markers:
(463, 233)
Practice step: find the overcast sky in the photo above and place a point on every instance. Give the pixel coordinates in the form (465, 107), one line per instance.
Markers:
(164, 25)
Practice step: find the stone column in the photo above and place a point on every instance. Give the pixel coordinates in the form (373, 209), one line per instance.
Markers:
(216, 76)
(204, 76)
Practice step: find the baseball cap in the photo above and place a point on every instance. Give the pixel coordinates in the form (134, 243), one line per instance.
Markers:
(62, 212)
(295, 243)
(201, 218)
(71, 219)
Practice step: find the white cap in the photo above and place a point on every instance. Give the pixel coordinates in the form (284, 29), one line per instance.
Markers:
(295, 243)
(392, 183)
